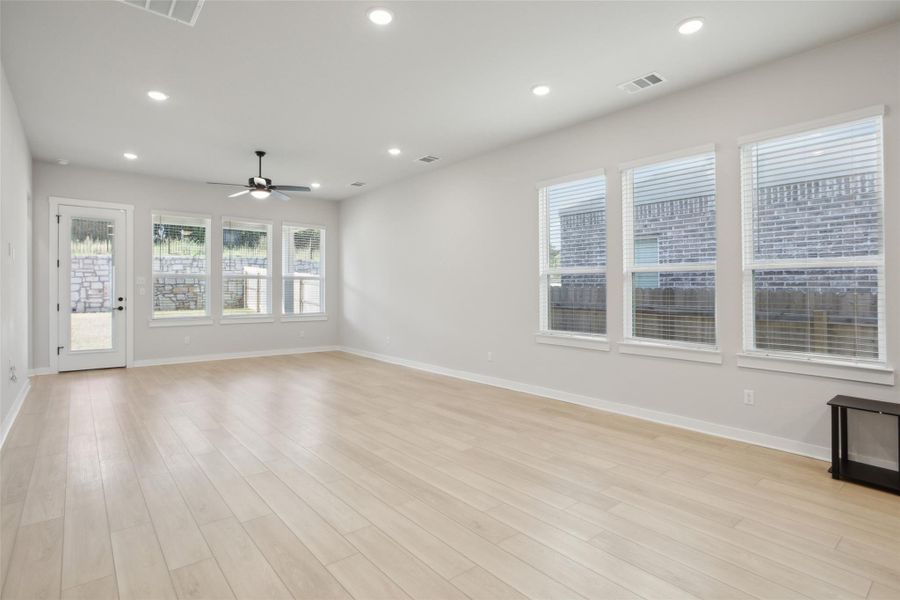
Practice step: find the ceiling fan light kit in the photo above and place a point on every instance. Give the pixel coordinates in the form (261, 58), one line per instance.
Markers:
(261, 187)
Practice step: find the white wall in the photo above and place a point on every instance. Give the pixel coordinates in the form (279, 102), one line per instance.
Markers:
(147, 194)
(15, 226)
(445, 264)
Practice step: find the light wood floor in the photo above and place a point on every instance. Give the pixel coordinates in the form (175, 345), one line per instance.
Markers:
(331, 476)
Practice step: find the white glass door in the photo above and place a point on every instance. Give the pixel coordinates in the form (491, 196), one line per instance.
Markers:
(92, 302)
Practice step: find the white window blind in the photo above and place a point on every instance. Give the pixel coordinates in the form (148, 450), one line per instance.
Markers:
(303, 270)
(180, 266)
(573, 256)
(813, 243)
(669, 214)
(246, 268)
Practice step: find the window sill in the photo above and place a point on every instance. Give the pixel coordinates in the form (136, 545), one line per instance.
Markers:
(310, 317)
(237, 320)
(586, 342)
(835, 369)
(180, 322)
(690, 353)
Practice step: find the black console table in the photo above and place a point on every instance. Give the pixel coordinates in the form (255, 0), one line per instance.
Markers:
(850, 470)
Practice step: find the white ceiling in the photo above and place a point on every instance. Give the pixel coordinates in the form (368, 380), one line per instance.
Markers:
(325, 92)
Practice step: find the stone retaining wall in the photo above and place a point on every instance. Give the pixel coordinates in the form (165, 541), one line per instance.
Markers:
(90, 283)
(178, 290)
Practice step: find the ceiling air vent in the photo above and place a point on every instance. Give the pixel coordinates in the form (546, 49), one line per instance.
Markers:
(183, 11)
(428, 159)
(358, 183)
(642, 83)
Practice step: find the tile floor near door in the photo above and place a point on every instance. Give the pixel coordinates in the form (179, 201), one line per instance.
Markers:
(331, 476)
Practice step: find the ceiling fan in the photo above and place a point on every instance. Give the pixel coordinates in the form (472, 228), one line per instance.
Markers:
(261, 187)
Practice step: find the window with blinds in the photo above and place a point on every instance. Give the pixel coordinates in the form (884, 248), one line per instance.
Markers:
(813, 243)
(246, 268)
(573, 255)
(303, 270)
(669, 214)
(180, 266)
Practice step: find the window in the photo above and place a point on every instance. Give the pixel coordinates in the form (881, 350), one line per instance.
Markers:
(180, 266)
(573, 256)
(813, 243)
(303, 269)
(669, 212)
(646, 252)
(246, 268)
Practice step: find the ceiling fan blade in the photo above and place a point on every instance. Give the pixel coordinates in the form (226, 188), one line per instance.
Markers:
(241, 193)
(231, 184)
(290, 188)
(280, 196)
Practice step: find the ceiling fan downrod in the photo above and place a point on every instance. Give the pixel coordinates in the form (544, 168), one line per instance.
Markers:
(260, 154)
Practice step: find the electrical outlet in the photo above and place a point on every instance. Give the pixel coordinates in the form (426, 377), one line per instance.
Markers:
(490, 356)
(749, 398)
(387, 340)
(187, 340)
(302, 333)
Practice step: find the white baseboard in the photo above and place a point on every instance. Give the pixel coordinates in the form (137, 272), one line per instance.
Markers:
(715, 429)
(10, 419)
(177, 360)
(872, 460)
(41, 371)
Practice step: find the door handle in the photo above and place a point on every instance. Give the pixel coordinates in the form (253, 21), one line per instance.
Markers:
(120, 308)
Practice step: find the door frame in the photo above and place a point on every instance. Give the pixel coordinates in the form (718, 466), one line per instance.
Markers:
(52, 273)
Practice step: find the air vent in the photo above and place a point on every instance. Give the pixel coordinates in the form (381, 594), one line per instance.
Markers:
(642, 83)
(428, 159)
(183, 11)
(358, 183)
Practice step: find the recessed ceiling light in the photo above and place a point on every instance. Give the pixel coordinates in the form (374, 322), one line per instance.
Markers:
(157, 95)
(380, 16)
(315, 185)
(394, 151)
(690, 26)
(62, 161)
(130, 155)
(540, 90)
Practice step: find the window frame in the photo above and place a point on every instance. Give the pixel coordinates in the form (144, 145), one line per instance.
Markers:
(653, 346)
(269, 277)
(322, 315)
(187, 320)
(545, 335)
(837, 366)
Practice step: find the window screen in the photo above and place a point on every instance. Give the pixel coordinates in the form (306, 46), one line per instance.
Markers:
(573, 256)
(180, 266)
(246, 268)
(670, 250)
(303, 260)
(813, 243)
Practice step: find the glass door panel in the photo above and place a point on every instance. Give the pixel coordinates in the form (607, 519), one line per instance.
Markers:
(91, 284)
